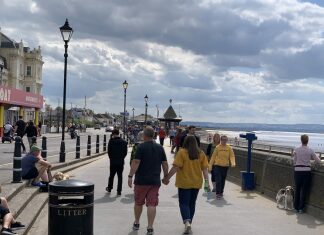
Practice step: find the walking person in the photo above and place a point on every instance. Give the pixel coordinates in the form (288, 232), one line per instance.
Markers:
(146, 166)
(140, 139)
(20, 130)
(177, 140)
(117, 151)
(190, 132)
(31, 132)
(39, 128)
(190, 166)
(162, 136)
(223, 157)
(302, 157)
(216, 141)
(172, 134)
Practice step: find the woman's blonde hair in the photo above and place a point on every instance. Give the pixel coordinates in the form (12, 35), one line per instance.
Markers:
(216, 135)
(190, 144)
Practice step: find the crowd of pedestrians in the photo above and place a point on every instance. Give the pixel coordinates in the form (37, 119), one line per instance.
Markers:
(148, 159)
(191, 167)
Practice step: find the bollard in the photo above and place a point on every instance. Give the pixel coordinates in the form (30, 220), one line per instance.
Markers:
(16, 177)
(89, 146)
(44, 148)
(97, 144)
(105, 143)
(77, 149)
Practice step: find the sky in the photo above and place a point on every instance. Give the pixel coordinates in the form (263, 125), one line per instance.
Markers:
(251, 61)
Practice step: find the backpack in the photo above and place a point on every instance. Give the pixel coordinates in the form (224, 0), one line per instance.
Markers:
(285, 198)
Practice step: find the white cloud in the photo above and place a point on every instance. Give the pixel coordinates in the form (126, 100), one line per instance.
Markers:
(222, 60)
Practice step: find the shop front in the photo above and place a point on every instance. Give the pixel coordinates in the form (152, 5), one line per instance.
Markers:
(15, 103)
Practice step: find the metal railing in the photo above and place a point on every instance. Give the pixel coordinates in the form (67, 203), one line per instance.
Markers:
(279, 149)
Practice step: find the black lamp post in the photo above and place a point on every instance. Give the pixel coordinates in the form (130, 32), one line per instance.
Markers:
(66, 32)
(125, 85)
(1, 68)
(133, 113)
(146, 99)
(157, 111)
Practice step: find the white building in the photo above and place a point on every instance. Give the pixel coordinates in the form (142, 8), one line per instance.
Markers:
(20, 81)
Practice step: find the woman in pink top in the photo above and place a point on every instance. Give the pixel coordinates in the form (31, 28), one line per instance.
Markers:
(302, 157)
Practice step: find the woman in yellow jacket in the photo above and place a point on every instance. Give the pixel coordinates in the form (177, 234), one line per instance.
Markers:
(191, 165)
(223, 157)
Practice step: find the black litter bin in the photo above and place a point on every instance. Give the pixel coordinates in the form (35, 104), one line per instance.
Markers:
(70, 208)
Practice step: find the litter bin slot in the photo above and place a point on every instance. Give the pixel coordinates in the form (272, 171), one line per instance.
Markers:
(72, 201)
(71, 194)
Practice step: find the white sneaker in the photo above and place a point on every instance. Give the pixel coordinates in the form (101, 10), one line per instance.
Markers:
(187, 229)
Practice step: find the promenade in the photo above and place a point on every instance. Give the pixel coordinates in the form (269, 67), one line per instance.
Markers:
(243, 213)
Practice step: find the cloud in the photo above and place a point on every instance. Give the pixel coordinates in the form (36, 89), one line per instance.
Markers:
(248, 61)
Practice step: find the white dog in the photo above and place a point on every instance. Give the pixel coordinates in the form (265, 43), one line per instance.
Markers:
(285, 198)
(59, 176)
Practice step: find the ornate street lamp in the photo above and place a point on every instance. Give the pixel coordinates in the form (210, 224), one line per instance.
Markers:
(1, 68)
(125, 85)
(146, 99)
(133, 113)
(157, 111)
(66, 32)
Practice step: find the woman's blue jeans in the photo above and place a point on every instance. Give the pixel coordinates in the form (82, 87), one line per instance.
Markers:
(187, 203)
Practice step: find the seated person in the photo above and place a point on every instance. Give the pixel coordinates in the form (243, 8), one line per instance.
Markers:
(8, 222)
(35, 168)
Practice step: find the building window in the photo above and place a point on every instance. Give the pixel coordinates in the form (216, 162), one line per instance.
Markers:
(29, 71)
(27, 88)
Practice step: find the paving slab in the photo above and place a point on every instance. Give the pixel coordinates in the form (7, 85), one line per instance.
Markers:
(243, 213)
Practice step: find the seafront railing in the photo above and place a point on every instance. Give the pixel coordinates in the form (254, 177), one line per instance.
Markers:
(279, 149)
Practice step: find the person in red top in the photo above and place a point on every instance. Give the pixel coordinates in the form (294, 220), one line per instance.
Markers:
(162, 135)
(177, 140)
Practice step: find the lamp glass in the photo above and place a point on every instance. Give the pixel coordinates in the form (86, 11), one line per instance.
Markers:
(66, 31)
(125, 85)
(146, 98)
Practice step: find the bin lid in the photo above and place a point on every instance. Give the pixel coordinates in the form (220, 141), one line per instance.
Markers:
(71, 186)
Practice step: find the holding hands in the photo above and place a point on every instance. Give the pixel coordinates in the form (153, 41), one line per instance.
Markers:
(165, 180)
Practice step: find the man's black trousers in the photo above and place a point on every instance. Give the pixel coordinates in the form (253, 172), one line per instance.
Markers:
(113, 170)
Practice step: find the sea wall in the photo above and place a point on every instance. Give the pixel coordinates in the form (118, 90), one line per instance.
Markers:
(275, 171)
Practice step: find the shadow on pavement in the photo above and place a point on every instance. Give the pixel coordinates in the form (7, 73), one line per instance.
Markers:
(106, 198)
(248, 195)
(220, 203)
(127, 199)
(308, 221)
(133, 232)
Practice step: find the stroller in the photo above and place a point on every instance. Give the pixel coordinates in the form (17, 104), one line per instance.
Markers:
(7, 137)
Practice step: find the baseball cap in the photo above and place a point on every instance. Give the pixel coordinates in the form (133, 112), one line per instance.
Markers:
(35, 148)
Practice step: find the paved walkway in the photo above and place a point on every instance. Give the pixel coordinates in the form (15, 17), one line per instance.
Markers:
(238, 213)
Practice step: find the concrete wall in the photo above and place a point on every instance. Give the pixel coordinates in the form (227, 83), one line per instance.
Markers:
(273, 172)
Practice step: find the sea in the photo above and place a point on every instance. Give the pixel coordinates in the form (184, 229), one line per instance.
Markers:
(279, 138)
(286, 135)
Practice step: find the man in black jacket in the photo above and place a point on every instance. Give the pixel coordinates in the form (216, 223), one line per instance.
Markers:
(191, 131)
(117, 151)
